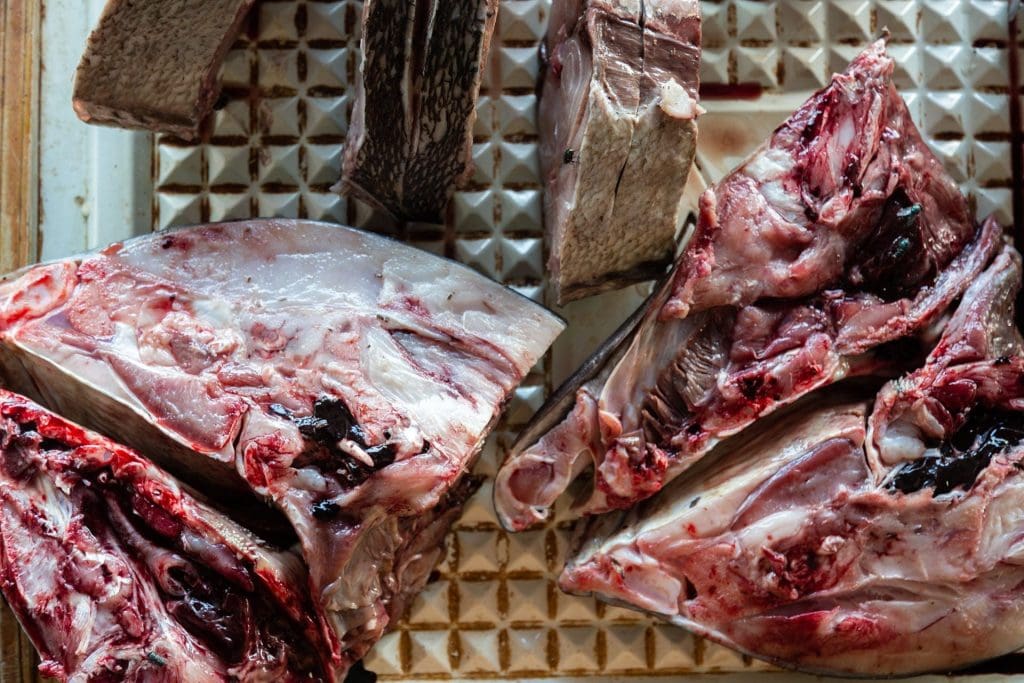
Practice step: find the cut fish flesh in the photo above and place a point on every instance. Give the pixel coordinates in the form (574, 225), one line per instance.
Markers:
(618, 132)
(117, 573)
(797, 546)
(856, 257)
(410, 141)
(346, 378)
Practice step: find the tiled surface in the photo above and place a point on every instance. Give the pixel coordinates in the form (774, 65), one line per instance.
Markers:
(275, 148)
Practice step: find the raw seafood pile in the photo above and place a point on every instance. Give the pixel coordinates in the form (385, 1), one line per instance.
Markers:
(841, 235)
(344, 378)
(618, 130)
(410, 140)
(848, 533)
(155, 65)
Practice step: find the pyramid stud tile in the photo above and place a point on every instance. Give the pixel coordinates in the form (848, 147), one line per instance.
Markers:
(577, 649)
(429, 652)
(994, 200)
(522, 259)
(279, 164)
(714, 66)
(718, 658)
(714, 24)
(179, 209)
(519, 164)
(236, 69)
(517, 114)
(477, 601)
(673, 648)
(479, 651)
(520, 209)
(325, 21)
(914, 104)
(479, 509)
(521, 19)
(942, 21)
(326, 116)
(326, 68)
(279, 116)
(527, 599)
(986, 19)
(804, 67)
(484, 162)
(478, 551)
(992, 162)
(625, 647)
(613, 613)
(180, 165)
(474, 211)
(277, 21)
(519, 66)
(536, 292)
(526, 400)
(849, 20)
(945, 65)
(953, 155)
(431, 605)
(943, 112)
(323, 164)
(232, 120)
(907, 71)
(385, 658)
(528, 649)
(279, 204)
(757, 65)
(899, 16)
(483, 126)
(986, 113)
(325, 206)
(478, 254)
(278, 69)
(802, 21)
(228, 207)
(987, 67)
(755, 20)
(487, 465)
(574, 608)
(526, 551)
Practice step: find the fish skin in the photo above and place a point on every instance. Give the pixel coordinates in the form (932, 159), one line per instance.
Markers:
(410, 141)
(617, 123)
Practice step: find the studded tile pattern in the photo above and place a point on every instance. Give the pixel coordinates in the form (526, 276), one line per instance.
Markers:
(274, 148)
